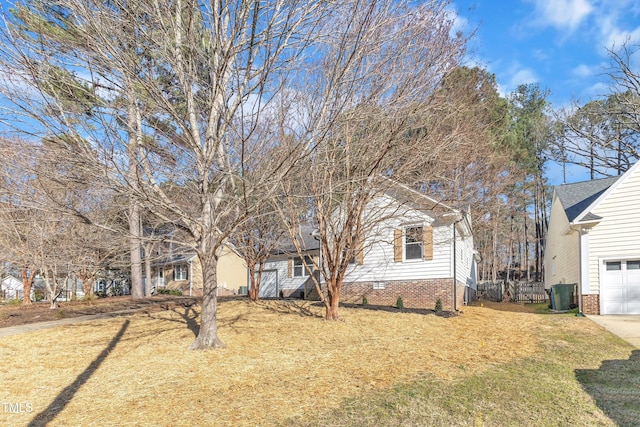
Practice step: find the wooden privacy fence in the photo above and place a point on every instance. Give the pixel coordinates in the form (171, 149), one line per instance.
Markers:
(527, 292)
(491, 291)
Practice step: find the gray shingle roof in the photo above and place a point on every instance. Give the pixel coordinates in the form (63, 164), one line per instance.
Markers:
(578, 196)
(308, 242)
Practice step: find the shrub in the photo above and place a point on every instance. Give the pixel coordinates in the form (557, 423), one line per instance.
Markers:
(438, 305)
(364, 300)
(15, 301)
(164, 291)
(400, 303)
(59, 314)
(38, 295)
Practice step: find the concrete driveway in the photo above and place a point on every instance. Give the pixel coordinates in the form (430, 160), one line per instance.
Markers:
(626, 327)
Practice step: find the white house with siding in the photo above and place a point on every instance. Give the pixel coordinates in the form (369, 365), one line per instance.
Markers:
(593, 240)
(421, 250)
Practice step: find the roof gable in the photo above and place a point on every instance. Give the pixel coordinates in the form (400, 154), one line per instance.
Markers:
(579, 196)
(609, 190)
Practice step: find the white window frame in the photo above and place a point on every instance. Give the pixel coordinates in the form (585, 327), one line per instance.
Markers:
(299, 269)
(420, 243)
(379, 285)
(180, 272)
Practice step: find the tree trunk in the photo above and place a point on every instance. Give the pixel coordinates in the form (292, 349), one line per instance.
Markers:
(254, 284)
(52, 289)
(137, 290)
(333, 301)
(27, 280)
(87, 281)
(147, 268)
(135, 239)
(208, 333)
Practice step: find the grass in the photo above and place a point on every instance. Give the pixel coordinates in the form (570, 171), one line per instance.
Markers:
(283, 365)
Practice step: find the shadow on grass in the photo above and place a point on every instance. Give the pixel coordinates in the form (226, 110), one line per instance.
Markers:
(391, 309)
(65, 396)
(615, 388)
(189, 317)
(299, 307)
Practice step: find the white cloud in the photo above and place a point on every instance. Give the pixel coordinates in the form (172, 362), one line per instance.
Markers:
(584, 71)
(515, 76)
(616, 22)
(460, 23)
(616, 37)
(562, 14)
(522, 76)
(598, 90)
(540, 55)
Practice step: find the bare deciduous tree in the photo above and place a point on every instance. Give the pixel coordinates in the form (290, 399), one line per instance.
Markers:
(603, 135)
(171, 100)
(380, 123)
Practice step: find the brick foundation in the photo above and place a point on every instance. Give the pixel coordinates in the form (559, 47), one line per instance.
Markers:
(591, 304)
(415, 293)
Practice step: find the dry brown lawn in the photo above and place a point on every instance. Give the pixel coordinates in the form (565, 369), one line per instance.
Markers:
(282, 361)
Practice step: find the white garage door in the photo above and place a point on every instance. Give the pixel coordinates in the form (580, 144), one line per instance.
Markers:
(620, 292)
(269, 284)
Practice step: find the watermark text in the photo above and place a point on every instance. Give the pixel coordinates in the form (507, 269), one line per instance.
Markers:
(16, 407)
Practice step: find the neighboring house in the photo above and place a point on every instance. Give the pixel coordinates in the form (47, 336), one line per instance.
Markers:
(183, 272)
(417, 252)
(284, 275)
(12, 288)
(593, 240)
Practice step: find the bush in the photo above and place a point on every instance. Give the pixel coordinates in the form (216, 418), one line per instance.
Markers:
(364, 300)
(400, 303)
(38, 295)
(15, 301)
(438, 305)
(164, 291)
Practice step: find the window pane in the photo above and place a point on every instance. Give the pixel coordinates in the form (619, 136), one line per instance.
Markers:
(379, 285)
(633, 265)
(414, 235)
(413, 243)
(614, 266)
(299, 270)
(414, 251)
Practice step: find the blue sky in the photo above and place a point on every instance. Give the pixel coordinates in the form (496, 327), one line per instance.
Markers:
(560, 44)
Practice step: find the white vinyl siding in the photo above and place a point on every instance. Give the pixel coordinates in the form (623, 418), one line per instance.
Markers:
(281, 264)
(379, 262)
(380, 266)
(618, 233)
(563, 247)
(464, 258)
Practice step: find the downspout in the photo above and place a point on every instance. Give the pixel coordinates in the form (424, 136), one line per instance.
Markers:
(455, 278)
(191, 277)
(581, 266)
